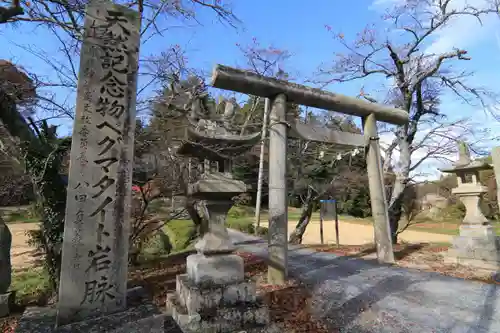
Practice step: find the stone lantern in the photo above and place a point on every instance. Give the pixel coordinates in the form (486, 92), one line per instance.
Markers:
(477, 244)
(214, 295)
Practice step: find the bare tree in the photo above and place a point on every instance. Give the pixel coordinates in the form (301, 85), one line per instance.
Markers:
(64, 20)
(262, 60)
(418, 80)
(267, 61)
(11, 11)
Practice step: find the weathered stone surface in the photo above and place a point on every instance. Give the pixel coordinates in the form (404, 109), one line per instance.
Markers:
(139, 309)
(379, 205)
(471, 195)
(216, 239)
(215, 183)
(219, 319)
(195, 298)
(477, 246)
(143, 318)
(477, 231)
(246, 82)
(278, 195)
(6, 302)
(215, 270)
(95, 244)
(5, 265)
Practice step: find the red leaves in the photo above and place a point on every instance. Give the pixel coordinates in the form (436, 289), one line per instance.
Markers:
(9, 324)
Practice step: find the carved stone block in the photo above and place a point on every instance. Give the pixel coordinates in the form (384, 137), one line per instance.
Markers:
(215, 270)
(195, 298)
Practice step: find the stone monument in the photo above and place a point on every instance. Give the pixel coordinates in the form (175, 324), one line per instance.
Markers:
(214, 295)
(93, 283)
(6, 296)
(477, 244)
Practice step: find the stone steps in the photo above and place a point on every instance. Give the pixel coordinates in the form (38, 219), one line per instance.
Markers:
(243, 316)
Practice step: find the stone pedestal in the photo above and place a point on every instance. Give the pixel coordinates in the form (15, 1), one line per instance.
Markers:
(140, 316)
(471, 196)
(214, 297)
(216, 238)
(476, 245)
(210, 270)
(6, 302)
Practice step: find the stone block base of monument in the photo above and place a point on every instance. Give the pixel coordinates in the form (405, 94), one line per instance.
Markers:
(140, 316)
(6, 303)
(221, 304)
(476, 246)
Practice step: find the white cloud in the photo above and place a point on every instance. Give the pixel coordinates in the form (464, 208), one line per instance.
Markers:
(462, 31)
(428, 170)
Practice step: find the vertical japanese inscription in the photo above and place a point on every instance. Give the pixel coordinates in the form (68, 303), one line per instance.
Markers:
(95, 246)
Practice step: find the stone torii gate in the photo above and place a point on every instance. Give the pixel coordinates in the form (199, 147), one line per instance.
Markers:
(281, 92)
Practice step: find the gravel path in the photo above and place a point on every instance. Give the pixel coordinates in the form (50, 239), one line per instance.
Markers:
(362, 296)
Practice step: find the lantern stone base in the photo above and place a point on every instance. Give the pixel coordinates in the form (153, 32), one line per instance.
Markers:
(215, 269)
(476, 246)
(215, 305)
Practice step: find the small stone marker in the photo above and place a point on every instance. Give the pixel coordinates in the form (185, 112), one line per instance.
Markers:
(95, 245)
(5, 269)
(495, 156)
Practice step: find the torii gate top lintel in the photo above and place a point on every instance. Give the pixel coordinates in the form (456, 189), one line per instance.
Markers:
(246, 82)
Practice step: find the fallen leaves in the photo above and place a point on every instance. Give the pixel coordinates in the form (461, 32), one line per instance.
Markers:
(289, 303)
(9, 324)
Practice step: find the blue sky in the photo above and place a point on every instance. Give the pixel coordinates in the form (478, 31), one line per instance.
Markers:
(297, 26)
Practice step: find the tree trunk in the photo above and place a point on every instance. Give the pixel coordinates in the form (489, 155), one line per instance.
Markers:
(402, 177)
(261, 166)
(395, 211)
(305, 218)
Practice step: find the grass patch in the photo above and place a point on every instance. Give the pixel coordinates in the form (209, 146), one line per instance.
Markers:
(30, 285)
(19, 216)
(179, 231)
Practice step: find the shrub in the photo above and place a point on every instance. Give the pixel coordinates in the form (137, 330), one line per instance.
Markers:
(157, 244)
(455, 211)
(240, 211)
(262, 231)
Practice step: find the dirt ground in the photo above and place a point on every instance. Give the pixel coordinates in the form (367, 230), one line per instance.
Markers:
(23, 255)
(357, 234)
